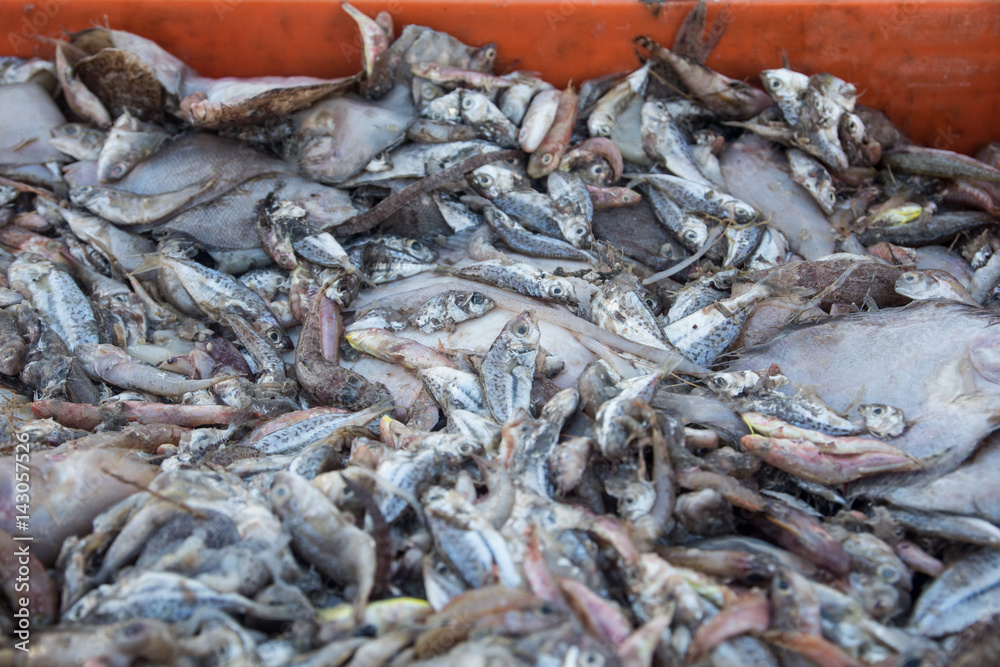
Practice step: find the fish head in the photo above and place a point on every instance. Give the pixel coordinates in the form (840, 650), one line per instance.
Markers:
(112, 171)
(561, 290)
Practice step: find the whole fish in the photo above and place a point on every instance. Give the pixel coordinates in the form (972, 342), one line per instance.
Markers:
(508, 368)
(217, 295)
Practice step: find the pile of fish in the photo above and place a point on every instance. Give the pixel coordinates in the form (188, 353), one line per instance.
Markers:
(431, 365)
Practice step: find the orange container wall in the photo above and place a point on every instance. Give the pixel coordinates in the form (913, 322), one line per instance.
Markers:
(932, 65)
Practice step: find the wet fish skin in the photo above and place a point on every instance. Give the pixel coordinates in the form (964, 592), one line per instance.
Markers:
(278, 223)
(449, 309)
(663, 142)
(218, 295)
(508, 368)
(519, 239)
(522, 278)
(958, 598)
(115, 366)
(622, 306)
(929, 284)
(342, 551)
(786, 86)
(814, 177)
(129, 142)
(730, 99)
(165, 596)
(128, 209)
(454, 389)
(12, 347)
(606, 110)
(573, 199)
(78, 141)
(56, 297)
(491, 124)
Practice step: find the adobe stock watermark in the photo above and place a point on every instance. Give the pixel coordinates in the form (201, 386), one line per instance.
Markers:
(37, 17)
(902, 15)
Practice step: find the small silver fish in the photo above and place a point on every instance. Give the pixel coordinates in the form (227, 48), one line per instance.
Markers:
(129, 142)
(450, 308)
(509, 366)
(78, 141)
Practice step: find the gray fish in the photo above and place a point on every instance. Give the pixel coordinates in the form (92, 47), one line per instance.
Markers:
(522, 278)
(216, 294)
(125, 208)
(928, 284)
(56, 297)
(165, 596)
(78, 141)
(509, 366)
(864, 355)
(664, 142)
(455, 390)
(129, 142)
(623, 306)
(752, 167)
(786, 87)
(449, 309)
(964, 594)
(336, 138)
(814, 177)
(490, 122)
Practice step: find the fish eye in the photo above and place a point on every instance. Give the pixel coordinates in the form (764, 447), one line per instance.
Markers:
(660, 106)
(630, 500)
(133, 629)
(280, 492)
(877, 411)
(355, 381)
(888, 573)
(436, 115)
(490, 53)
(832, 196)
(347, 395)
(72, 130)
(427, 91)
(556, 291)
(275, 336)
(512, 161)
(626, 198)
(580, 231)
(547, 159)
(691, 235)
(468, 102)
(521, 329)
(598, 170)
(774, 83)
(485, 180)
(546, 608)
(649, 302)
(477, 298)
(118, 168)
(415, 245)
(440, 568)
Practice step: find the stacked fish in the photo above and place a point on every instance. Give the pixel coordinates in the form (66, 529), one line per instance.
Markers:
(435, 366)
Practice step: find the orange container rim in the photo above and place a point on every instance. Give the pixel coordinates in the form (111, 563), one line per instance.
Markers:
(932, 65)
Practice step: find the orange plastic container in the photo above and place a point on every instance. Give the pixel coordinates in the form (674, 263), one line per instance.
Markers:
(932, 65)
